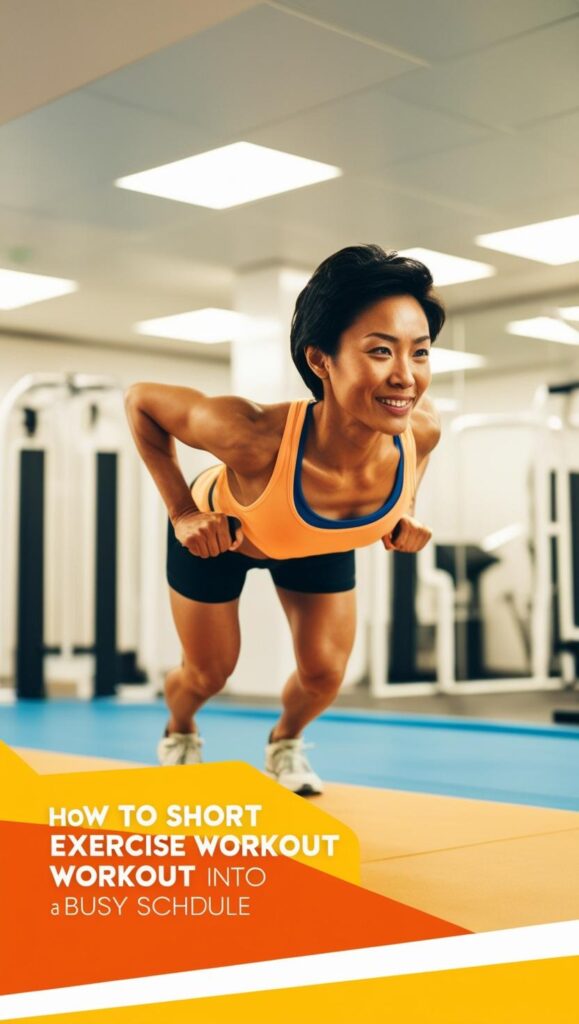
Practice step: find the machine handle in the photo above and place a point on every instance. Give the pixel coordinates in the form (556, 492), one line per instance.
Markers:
(234, 525)
(563, 389)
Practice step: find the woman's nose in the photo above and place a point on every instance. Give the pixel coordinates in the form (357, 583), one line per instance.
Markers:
(400, 374)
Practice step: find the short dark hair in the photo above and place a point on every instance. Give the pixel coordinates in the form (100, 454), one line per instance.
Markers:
(342, 287)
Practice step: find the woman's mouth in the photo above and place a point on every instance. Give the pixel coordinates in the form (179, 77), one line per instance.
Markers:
(396, 406)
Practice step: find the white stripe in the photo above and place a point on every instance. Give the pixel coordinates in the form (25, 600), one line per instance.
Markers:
(540, 942)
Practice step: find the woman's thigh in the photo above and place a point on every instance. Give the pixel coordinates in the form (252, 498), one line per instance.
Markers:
(209, 633)
(323, 628)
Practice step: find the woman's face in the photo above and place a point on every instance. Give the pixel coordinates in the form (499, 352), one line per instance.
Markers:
(383, 358)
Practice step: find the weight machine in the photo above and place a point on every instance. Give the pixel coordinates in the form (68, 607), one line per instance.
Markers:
(69, 487)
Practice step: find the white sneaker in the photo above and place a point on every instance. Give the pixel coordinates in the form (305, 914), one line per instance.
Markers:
(180, 748)
(286, 762)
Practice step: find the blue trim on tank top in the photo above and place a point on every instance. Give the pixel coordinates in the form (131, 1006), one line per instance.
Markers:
(312, 517)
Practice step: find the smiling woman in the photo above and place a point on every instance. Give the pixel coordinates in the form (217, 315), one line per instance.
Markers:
(298, 487)
(350, 283)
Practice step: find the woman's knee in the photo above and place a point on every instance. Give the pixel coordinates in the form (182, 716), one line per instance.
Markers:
(323, 671)
(205, 681)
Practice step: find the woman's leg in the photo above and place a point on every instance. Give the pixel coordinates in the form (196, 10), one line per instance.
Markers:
(323, 628)
(210, 641)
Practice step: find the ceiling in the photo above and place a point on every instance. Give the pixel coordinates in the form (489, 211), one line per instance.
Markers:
(448, 120)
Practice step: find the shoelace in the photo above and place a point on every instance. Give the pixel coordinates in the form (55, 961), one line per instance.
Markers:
(190, 741)
(291, 758)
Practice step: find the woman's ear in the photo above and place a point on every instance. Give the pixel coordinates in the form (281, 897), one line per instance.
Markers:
(317, 361)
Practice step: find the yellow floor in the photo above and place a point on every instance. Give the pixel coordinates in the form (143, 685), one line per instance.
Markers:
(481, 865)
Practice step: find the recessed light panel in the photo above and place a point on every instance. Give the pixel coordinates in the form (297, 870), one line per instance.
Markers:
(446, 269)
(209, 326)
(448, 360)
(551, 241)
(19, 289)
(546, 328)
(229, 176)
(569, 313)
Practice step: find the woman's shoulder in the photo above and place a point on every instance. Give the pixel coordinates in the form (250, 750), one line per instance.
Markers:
(425, 425)
(262, 437)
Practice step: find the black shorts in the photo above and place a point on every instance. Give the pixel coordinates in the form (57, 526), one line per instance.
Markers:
(221, 578)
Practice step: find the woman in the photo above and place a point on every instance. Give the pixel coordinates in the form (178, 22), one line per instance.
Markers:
(298, 487)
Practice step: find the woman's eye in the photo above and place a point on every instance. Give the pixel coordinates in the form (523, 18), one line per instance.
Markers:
(383, 349)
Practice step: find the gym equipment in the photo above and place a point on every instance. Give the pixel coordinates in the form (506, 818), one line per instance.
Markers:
(550, 535)
(405, 629)
(393, 580)
(30, 619)
(469, 621)
(548, 626)
(61, 485)
(564, 535)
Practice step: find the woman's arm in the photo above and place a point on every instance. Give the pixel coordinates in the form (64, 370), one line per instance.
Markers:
(228, 427)
(409, 534)
(426, 427)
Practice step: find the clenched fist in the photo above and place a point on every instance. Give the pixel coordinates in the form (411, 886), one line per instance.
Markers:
(207, 534)
(407, 535)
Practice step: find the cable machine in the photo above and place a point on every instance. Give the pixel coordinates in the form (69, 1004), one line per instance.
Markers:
(66, 462)
(550, 638)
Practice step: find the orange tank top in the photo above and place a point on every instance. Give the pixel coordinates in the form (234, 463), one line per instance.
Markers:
(280, 522)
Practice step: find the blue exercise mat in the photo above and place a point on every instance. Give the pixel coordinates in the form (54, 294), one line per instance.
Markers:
(451, 756)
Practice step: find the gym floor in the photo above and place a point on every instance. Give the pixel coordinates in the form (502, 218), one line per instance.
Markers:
(537, 765)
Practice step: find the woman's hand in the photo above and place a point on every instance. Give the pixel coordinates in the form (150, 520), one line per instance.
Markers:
(407, 535)
(207, 534)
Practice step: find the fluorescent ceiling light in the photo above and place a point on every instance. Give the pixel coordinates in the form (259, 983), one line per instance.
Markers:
(294, 281)
(546, 328)
(550, 241)
(447, 269)
(448, 360)
(205, 325)
(20, 289)
(569, 312)
(229, 176)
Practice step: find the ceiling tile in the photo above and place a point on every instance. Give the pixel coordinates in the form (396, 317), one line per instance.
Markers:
(258, 67)
(531, 210)
(492, 174)
(232, 238)
(436, 29)
(367, 132)
(121, 210)
(534, 76)
(83, 140)
(96, 254)
(421, 168)
(37, 244)
(50, 49)
(361, 210)
(558, 133)
(99, 311)
(485, 331)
